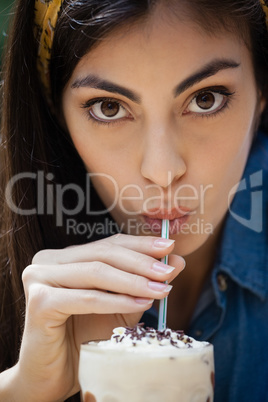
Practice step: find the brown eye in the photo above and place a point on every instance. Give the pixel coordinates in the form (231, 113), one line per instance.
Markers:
(110, 109)
(205, 100)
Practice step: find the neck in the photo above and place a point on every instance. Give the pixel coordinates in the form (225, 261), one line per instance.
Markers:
(201, 261)
(187, 287)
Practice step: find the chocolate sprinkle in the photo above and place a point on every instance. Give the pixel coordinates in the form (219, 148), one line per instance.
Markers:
(139, 332)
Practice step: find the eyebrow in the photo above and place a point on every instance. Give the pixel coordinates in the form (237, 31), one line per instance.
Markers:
(207, 71)
(210, 69)
(94, 81)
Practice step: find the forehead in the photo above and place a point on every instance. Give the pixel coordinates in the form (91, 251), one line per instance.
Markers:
(160, 49)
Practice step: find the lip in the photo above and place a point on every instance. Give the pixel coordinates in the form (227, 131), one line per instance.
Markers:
(177, 218)
(174, 213)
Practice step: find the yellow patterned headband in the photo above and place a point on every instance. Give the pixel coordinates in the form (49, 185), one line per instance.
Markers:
(46, 16)
(264, 4)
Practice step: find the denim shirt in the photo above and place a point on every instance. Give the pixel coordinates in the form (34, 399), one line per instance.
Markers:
(232, 312)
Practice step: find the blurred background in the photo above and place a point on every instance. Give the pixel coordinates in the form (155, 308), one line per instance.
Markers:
(5, 12)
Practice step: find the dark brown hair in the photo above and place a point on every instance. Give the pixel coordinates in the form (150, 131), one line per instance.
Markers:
(33, 141)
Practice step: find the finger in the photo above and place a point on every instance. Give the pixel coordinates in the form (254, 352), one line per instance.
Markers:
(178, 262)
(137, 263)
(57, 304)
(119, 257)
(154, 246)
(94, 275)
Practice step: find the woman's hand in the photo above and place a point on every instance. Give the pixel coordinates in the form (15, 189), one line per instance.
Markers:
(81, 293)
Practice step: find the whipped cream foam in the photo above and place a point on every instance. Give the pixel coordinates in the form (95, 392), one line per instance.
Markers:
(150, 338)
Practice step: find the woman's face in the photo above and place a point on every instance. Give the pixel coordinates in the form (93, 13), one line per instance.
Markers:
(163, 117)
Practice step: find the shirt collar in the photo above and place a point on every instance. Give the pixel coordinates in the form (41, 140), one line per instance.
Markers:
(243, 253)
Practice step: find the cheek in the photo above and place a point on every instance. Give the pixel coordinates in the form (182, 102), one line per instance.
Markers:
(111, 177)
(93, 153)
(87, 144)
(106, 187)
(230, 147)
(227, 173)
(219, 165)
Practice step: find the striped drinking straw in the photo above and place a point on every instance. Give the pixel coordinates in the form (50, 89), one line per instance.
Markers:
(162, 315)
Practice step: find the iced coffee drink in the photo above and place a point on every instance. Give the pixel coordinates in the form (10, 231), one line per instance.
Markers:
(146, 365)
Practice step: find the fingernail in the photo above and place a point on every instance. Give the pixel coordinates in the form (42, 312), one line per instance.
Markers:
(144, 301)
(162, 268)
(184, 263)
(163, 243)
(159, 287)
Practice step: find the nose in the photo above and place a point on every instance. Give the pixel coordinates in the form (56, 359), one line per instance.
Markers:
(162, 161)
